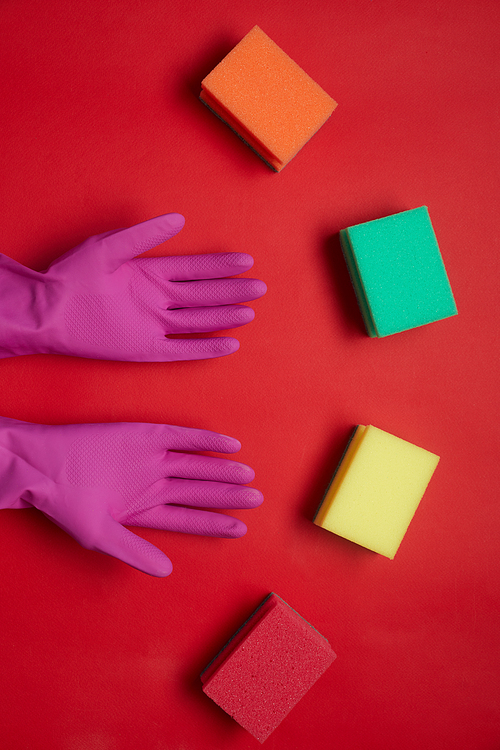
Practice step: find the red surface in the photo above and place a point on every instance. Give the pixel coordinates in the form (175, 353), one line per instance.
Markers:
(101, 128)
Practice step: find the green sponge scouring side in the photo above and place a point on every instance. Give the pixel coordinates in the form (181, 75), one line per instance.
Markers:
(397, 272)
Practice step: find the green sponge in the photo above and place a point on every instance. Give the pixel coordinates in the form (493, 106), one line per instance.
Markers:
(397, 272)
(376, 490)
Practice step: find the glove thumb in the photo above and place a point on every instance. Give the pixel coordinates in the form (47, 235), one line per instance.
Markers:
(123, 245)
(131, 549)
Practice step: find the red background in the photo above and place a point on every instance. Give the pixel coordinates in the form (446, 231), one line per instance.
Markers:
(101, 128)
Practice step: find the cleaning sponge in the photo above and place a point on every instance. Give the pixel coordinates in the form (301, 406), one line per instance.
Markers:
(266, 98)
(376, 490)
(267, 667)
(397, 272)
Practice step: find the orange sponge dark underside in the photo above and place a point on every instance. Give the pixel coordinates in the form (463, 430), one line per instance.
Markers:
(266, 98)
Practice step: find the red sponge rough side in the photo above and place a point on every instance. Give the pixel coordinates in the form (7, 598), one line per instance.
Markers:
(267, 667)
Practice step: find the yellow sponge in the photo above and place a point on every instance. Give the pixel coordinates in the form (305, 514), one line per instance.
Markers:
(266, 98)
(376, 490)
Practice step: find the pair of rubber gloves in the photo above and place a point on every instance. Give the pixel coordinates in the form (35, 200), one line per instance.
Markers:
(100, 301)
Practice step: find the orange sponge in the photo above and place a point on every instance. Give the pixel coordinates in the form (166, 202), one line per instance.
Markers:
(266, 98)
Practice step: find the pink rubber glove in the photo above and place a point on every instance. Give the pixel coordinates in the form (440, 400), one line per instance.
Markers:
(98, 301)
(92, 479)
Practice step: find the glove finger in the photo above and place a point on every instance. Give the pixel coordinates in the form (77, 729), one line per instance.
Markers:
(205, 319)
(207, 468)
(191, 521)
(171, 350)
(201, 494)
(214, 292)
(124, 245)
(191, 439)
(131, 549)
(191, 267)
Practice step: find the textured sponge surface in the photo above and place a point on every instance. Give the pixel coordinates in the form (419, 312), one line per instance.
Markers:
(376, 490)
(266, 98)
(398, 272)
(267, 667)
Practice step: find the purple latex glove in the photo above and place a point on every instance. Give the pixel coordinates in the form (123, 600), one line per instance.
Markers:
(93, 479)
(99, 301)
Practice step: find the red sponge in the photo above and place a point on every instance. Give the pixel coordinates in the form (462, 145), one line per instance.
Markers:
(267, 667)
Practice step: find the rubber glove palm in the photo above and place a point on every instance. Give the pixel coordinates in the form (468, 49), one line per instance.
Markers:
(100, 301)
(93, 479)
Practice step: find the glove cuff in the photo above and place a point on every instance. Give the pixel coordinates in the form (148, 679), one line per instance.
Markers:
(17, 478)
(23, 310)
